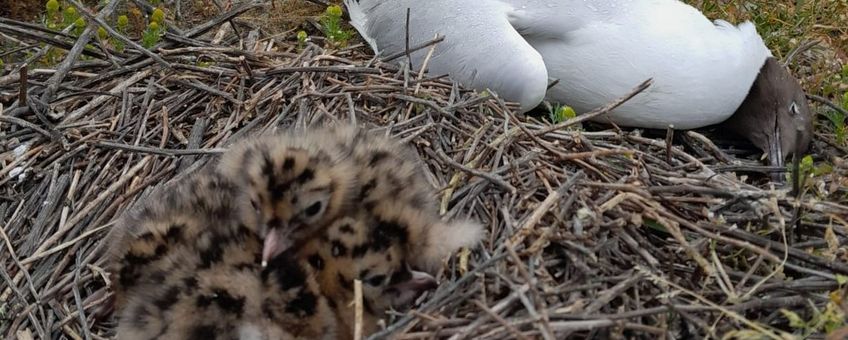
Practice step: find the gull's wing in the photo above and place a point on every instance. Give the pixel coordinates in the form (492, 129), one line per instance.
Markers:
(481, 48)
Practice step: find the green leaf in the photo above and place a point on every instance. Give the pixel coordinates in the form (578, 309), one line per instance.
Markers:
(123, 21)
(845, 98)
(653, 224)
(334, 11)
(102, 34)
(795, 321)
(841, 279)
(52, 6)
(158, 16)
(69, 16)
(806, 166)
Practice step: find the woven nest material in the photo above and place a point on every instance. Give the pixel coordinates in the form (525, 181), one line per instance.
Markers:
(601, 233)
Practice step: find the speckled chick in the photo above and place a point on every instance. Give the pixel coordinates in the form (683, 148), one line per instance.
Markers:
(185, 265)
(392, 240)
(298, 181)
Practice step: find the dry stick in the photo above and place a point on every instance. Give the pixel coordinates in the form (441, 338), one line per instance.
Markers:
(829, 103)
(591, 154)
(28, 125)
(77, 297)
(13, 282)
(512, 330)
(608, 295)
(497, 308)
(599, 111)
(97, 102)
(799, 49)
(669, 137)
(749, 240)
(541, 210)
(203, 28)
(22, 92)
(36, 27)
(495, 179)
(740, 307)
(438, 296)
(328, 69)
(720, 155)
(415, 48)
(572, 326)
(358, 303)
(734, 315)
(66, 64)
(459, 176)
(41, 250)
(10, 27)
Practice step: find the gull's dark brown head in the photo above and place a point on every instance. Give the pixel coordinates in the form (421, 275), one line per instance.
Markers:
(775, 116)
(295, 184)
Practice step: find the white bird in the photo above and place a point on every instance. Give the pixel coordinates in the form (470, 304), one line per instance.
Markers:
(599, 50)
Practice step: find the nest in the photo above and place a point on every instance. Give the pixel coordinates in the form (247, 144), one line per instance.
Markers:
(591, 231)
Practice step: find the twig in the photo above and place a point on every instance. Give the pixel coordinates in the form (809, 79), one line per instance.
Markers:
(491, 177)
(414, 48)
(22, 92)
(159, 151)
(669, 137)
(597, 112)
(829, 103)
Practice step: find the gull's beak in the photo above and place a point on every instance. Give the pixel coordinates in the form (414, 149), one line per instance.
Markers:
(276, 242)
(775, 153)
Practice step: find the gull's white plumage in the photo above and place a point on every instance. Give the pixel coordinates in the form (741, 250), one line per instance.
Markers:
(473, 50)
(599, 50)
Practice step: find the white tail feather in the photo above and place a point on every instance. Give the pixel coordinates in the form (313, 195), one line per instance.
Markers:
(446, 238)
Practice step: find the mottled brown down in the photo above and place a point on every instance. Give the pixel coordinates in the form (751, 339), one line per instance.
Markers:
(186, 266)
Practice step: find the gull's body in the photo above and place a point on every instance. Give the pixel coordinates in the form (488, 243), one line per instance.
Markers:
(599, 50)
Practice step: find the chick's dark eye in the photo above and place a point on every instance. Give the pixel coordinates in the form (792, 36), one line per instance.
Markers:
(376, 280)
(313, 209)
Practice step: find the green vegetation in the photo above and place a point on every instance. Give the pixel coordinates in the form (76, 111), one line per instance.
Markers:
(121, 27)
(827, 320)
(60, 15)
(333, 27)
(155, 29)
(301, 39)
(561, 113)
(837, 121)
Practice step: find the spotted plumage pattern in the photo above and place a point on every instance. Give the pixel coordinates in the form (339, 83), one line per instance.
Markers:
(298, 181)
(186, 265)
(266, 241)
(392, 239)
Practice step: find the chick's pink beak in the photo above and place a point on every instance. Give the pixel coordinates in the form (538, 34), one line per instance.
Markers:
(275, 243)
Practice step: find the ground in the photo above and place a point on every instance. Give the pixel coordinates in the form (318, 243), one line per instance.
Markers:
(591, 231)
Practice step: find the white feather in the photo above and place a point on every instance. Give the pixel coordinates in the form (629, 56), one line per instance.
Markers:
(598, 49)
(446, 238)
(359, 21)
